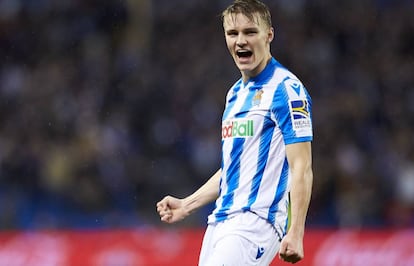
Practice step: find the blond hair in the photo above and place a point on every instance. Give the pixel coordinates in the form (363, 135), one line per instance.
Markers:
(249, 8)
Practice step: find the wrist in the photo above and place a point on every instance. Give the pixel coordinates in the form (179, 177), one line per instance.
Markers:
(297, 231)
(188, 206)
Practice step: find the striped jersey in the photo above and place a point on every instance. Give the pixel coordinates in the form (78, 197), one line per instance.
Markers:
(260, 118)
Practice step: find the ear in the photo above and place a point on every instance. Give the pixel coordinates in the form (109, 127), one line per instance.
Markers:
(270, 34)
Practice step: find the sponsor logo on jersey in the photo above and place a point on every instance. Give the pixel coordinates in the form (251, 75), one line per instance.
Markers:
(299, 110)
(237, 128)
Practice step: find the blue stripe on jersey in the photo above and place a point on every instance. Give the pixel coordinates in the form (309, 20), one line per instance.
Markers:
(248, 103)
(282, 111)
(267, 73)
(233, 172)
(280, 191)
(232, 99)
(232, 178)
(265, 140)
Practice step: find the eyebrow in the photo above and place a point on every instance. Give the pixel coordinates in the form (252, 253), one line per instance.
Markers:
(244, 29)
(251, 29)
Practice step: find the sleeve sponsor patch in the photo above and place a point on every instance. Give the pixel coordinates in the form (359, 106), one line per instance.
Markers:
(300, 116)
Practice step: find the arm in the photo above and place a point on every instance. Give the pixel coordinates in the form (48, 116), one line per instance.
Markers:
(299, 156)
(172, 209)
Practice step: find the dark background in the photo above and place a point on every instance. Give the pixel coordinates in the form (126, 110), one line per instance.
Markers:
(107, 106)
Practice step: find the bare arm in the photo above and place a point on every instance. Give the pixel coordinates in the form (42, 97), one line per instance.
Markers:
(172, 209)
(299, 156)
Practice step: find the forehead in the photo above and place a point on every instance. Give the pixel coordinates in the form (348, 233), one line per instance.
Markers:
(239, 20)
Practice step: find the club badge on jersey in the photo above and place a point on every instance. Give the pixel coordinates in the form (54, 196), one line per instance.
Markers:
(257, 98)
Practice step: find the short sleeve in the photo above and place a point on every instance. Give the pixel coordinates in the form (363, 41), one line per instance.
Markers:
(292, 107)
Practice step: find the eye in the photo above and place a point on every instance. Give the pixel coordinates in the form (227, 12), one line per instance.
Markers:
(232, 33)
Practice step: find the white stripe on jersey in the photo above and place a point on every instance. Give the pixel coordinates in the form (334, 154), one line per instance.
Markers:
(260, 118)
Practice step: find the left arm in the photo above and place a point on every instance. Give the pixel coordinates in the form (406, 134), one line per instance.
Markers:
(299, 157)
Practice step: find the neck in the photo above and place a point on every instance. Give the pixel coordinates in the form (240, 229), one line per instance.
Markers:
(248, 74)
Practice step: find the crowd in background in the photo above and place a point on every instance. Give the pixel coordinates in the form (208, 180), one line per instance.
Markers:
(107, 107)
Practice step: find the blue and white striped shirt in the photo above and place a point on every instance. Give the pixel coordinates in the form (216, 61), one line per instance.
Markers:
(260, 118)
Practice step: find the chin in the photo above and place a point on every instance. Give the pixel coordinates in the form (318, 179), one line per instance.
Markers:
(246, 67)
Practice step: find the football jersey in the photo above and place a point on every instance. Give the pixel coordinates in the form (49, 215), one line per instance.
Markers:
(260, 118)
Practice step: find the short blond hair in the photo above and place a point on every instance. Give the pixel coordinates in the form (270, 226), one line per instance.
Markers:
(249, 8)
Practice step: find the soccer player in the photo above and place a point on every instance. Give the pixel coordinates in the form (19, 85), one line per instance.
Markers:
(266, 171)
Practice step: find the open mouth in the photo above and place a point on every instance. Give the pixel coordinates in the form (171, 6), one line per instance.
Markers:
(244, 53)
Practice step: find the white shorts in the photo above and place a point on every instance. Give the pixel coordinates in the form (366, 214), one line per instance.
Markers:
(245, 239)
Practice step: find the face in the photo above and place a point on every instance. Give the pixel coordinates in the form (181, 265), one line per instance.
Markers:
(248, 42)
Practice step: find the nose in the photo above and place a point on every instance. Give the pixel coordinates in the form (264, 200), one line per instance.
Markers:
(241, 40)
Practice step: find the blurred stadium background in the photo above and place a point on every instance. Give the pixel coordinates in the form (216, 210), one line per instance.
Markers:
(107, 106)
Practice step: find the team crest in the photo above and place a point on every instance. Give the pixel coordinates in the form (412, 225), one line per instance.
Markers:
(257, 98)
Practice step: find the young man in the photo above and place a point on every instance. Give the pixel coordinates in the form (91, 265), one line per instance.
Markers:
(266, 166)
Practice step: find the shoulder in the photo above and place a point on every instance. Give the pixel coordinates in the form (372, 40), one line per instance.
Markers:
(233, 89)
(289, 91)
(287, 83)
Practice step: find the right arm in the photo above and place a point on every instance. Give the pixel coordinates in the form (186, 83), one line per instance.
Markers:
(172, 209)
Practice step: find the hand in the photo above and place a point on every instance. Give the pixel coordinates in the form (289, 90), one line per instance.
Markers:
(171, 209)
(291, 249)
